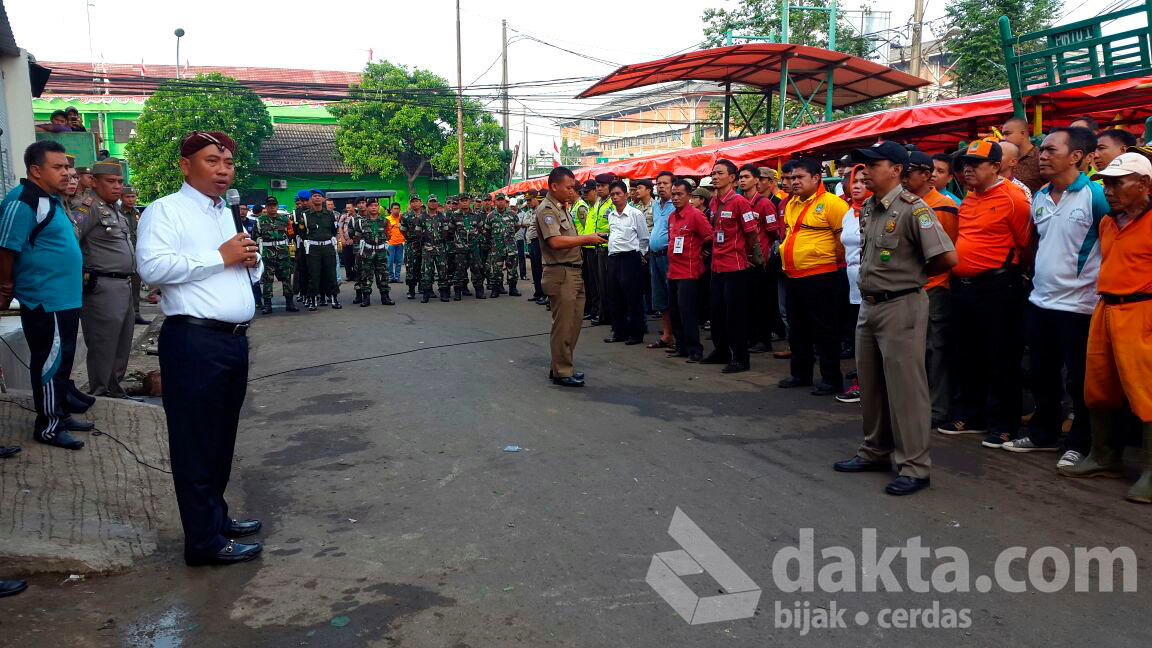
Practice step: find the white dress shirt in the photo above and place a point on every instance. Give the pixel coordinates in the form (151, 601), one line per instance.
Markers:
(177, 251)
(627, 232)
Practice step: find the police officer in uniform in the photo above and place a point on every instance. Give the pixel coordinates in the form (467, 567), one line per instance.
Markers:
(560, 243)
(108, 317)
(128, 208)
(902, 245)
(300, 276)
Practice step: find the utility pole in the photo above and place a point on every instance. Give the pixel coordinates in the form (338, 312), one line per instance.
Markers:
(914, 63)
(525, 147)
(504, 59)
(459, 105)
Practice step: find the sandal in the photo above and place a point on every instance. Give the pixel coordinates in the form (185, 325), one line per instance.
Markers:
(658, 344)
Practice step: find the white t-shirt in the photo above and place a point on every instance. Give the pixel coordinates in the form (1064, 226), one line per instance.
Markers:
(850, 239)
(1068, 256)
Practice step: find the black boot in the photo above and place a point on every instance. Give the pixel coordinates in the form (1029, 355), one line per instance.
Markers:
(444, 295)
(311, 300)
(357, 298)
(365, 298)
(466, 292)
(480, 292)
(425, 295)
(290, 304)
(385, 299)
(266, 309)
(493, 292)
(335, 302)
(512, 292)
(411, 291)
(457, 294)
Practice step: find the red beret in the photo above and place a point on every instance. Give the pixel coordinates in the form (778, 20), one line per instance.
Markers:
(197, 140)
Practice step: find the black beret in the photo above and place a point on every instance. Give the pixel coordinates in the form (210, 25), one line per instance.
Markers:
(606, 178)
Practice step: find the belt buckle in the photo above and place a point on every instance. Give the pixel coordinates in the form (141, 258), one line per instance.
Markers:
(240, 329)
(870, 299)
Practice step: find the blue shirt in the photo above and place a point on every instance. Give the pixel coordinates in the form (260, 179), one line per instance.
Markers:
(950, 195)
(660, 213)
(48, 270)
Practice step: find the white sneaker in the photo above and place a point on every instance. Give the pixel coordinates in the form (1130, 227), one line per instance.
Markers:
(1069, 459)
(1025, 444)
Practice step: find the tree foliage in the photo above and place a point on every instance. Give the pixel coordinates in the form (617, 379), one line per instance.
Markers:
(211, 102)
(404, 121)
(974, 37)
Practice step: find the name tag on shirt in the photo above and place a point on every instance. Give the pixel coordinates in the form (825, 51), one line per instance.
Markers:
(725, 214)
(720, 236)
(678, 245)
(770, 218)
(749, 217)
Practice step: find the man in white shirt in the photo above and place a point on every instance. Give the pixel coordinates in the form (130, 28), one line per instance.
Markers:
(1066, 215)
(189, 246)
(627, 243)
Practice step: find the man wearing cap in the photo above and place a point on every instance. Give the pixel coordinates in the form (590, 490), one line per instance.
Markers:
(274, 233)
(994, 228)
(412, 224)
(317, 227)
(189, 247)
(1119, 373)
(502, 265)
(902, 244)
(109, 264)
(473, 263)
(300, 273)
(599, 216)
(371, 233)
(433, 264)
(532, 238)
(586, 225)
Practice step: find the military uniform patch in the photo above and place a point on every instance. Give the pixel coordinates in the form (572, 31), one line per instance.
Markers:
(890, 226)
(548, 219)
(923, 218)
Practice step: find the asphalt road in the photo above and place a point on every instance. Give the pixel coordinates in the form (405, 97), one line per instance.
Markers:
(394, 517)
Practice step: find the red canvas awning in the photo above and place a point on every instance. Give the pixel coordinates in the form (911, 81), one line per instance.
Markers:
(854, 80)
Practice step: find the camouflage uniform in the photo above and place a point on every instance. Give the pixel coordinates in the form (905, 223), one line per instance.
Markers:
(371, 245)
(466, 251)
(434, 265)
(274, 232)
(410, 225)
(502, 250)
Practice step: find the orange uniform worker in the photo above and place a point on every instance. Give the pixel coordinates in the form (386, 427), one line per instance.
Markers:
(1119, 363)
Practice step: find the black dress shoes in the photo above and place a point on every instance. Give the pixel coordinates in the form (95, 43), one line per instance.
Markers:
(568, 381)
(904, 485)
(824, 389)
(12, 587)
(77, 425)
(142, 322)
(578, 375)
(241, 528)
(633, 341)
(610, 340)
(859, 464)
(694, 357)
(793, 381)
(712, 358)
(232, 553)
(734, 367)
(8, 451)
(77, 402)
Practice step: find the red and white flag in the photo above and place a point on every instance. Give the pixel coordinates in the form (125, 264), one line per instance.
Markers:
(556, 157)
(143, 70)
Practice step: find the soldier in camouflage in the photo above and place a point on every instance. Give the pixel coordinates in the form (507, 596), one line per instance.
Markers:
(370, 234)
(502, 256)
(466, 250)
(274, 233)
(410, 225)
(434, 264)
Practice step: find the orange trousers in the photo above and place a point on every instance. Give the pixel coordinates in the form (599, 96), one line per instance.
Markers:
(1119, 363)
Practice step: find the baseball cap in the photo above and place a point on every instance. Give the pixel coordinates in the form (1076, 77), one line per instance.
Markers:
(894, 152)
(981, 150)
(768, 172)
(920, 160)
(1127, 164)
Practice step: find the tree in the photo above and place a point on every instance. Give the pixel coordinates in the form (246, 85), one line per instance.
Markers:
(974, 38)
(403, 121)
(211, 102)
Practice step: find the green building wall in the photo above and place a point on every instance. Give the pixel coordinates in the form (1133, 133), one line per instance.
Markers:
(262, 183)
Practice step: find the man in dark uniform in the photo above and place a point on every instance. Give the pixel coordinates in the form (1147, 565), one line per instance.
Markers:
(562, 282)
(300, 276)
(598, 216)
(902, 245)
(317, 227)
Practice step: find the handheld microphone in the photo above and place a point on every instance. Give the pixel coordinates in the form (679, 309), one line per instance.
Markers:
(232, 196)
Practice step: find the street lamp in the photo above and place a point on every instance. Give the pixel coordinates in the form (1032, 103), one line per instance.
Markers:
(179, 32)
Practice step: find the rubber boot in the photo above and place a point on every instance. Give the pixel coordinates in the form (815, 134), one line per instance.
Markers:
(512, 292)
(266, 309)
(1107, 456)
(290, 304)
(444, 296)
(425, 295)
(411, 291)
(365, 298)
(1141, 491)
(480, 292)
(358, 297)
(335, 302)
(385, 299)
(457, 294)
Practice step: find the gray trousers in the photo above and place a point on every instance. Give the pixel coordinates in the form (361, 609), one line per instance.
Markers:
(107, 320)
(890, 341)
(937, 352)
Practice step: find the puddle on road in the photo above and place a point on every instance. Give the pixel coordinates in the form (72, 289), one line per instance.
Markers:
(168, 630)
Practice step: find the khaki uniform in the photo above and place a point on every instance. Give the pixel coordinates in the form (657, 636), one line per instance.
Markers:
(107, 317)
(562, 283)
(899, 233)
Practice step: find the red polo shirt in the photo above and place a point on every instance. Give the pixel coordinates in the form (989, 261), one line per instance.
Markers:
(771, 225)
(691, 225)
(735, 220)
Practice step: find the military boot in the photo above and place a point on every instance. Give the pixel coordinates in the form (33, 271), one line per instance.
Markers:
(357, 298)
(1107, 456)
(1141, 491)
(411, 291)
(480, 292)
(425, 295)
(385, 299)
(335, 302)
(493, 292)
(512, 292)
(457, 294)
(466, 292)
(444, 296)
(365, 298)
(266, 309)
(290, 304)
(311, 302)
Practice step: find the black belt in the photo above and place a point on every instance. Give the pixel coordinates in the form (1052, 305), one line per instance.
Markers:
(566, 265)
(887, 295)
(628, 252)
(1112, 300)
(111, 275)
(986, 276)
(216, 325)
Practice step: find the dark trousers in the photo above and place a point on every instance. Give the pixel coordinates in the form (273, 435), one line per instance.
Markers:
(704, 297)
(813, 323)
(626, 292)
(729, 292)
(321, 271)
(776, 279)
(682, 297)
(761, 303)
(205, 377)
(987, 331)
(1058, 343)
(51, 341)
(537, 267)
(300, 277)
(348, 260)
(602, 279)
(848, 312)
(590, 273)
(520, 258)
(938, 353)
